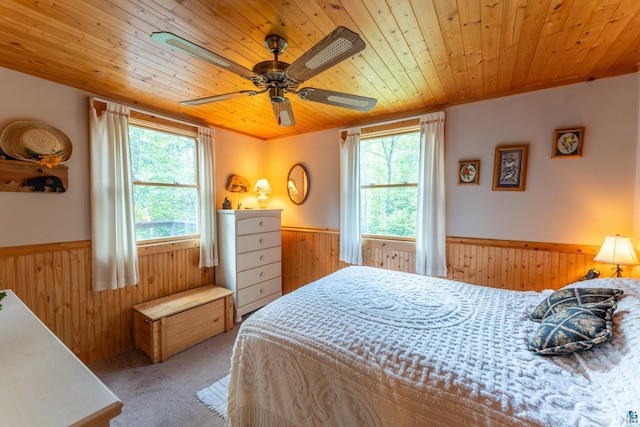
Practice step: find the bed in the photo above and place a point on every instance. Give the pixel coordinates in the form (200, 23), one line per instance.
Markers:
(372, 347)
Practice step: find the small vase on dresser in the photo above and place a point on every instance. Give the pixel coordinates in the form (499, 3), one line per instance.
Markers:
(249, 257)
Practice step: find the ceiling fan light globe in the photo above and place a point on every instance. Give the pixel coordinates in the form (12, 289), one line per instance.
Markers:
(283, 113)
(285, 119)
(276, 94)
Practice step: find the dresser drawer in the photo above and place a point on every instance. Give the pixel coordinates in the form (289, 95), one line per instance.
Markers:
(261, 224)
(253, 259)
(260, 274)
(249, 255)
(259, 291)
(254, 242)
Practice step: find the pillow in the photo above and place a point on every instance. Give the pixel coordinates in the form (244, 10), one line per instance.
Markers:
(574, 328)
(560, 300)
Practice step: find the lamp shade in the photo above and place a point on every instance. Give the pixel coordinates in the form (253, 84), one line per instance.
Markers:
(291, 185)
(262, 186)
(619, 251)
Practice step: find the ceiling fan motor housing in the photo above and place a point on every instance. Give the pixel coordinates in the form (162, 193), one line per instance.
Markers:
(271, 71)
(274, 78)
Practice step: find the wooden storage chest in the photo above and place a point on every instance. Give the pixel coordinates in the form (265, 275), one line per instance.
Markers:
(168, 325)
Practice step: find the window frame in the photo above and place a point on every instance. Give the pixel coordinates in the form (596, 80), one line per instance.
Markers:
(395, 129)
(149, 122)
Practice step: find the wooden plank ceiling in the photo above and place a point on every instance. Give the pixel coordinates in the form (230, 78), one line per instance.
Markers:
(420, 54)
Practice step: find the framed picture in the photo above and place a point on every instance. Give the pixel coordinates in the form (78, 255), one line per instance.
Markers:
(510, 167)
(567, 143)
(469, 172)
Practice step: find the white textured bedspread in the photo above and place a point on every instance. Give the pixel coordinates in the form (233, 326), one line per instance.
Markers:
(371, 347)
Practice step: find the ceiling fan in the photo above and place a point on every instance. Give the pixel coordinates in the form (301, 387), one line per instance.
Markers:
(279, 78)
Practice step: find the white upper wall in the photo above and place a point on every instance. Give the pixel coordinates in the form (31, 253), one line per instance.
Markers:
(576, 200)
(573, 200)
(29, 218)
(319, 152)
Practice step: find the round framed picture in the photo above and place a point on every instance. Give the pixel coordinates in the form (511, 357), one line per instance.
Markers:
(468, 172)
(567, 143)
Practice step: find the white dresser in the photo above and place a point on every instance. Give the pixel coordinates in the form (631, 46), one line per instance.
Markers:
(42, 383)
(250, 257)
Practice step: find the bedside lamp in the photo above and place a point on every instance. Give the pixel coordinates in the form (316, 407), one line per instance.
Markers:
(619, 251)
(263, 188)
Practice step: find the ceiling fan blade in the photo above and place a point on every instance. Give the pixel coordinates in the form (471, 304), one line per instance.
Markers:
(206, 100)
(340, 44)
(339, 99)
(283, 113)
(196, 51)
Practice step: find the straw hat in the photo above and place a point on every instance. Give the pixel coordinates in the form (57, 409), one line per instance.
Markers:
(35, 141)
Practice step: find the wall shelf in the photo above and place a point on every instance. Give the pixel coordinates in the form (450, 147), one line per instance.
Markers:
(15, 175)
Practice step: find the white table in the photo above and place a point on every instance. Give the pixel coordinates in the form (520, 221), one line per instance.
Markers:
(42, 383)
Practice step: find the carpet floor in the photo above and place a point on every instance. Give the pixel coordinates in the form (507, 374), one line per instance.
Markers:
(164, 394)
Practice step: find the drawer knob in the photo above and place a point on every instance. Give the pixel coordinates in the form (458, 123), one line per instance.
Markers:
(261, 241)
(261, 224)
(261, 257)
(262, 274)
(262, 290)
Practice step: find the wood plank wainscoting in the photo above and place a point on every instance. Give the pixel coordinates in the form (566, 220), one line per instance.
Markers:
(308, 254)
(54, 280)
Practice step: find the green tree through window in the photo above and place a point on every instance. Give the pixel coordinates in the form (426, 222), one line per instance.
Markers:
(165, 190)
(389, 184)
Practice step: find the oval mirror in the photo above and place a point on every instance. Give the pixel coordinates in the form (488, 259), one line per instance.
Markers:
(298, 184)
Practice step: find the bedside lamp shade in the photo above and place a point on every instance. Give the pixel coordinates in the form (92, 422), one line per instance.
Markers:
(618, 251)
(263, 188)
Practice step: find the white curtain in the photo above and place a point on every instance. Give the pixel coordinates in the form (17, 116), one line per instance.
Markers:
(350, 238)
(114, 248)
(208, 249)
(431, 230)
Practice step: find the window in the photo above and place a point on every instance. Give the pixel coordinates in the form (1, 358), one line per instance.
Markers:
(165, 182)
(389, 166)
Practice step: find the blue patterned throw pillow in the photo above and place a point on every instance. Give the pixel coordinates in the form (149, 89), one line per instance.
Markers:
(574, 328)
(564, 298)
